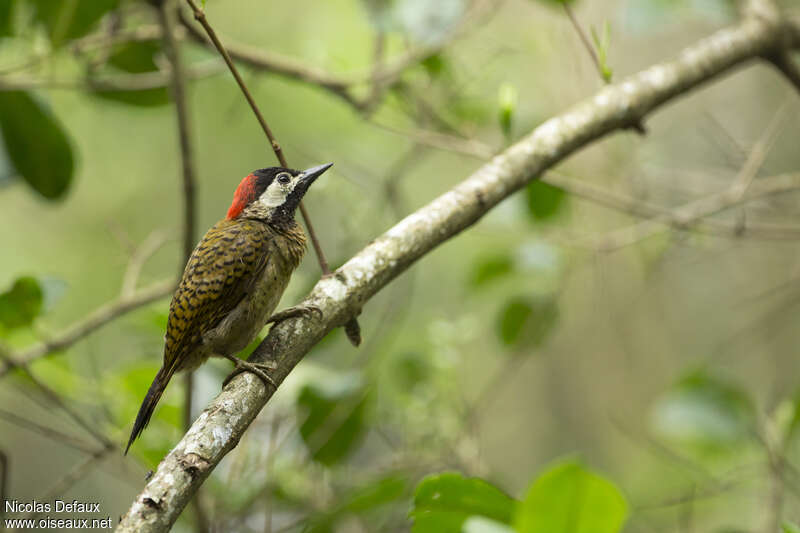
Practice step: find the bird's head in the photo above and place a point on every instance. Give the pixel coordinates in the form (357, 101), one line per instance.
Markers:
(273, 194)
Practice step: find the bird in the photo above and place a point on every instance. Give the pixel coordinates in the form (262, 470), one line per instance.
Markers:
(234, 279)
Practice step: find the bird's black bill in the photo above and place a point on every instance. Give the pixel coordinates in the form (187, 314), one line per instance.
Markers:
(310, 174)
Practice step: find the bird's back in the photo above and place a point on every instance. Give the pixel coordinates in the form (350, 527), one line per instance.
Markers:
(218, 275)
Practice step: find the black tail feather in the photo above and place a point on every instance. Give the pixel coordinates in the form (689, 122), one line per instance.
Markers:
(149, 404)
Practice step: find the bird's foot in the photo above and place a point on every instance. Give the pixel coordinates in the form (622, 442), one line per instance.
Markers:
(259, 369)
(294, 311)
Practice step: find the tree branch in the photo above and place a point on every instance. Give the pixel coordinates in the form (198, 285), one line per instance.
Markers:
(95, 320)
(117, 82)
(218, 429)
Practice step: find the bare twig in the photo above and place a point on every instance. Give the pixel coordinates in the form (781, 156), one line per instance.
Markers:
(116, 83)
(55, 399)
(78, 472)
(341, 85)
(93, 321)
(167, 11)
(444, 141)
(686, 215)
(278, 64)
(178, 85)
(587, 44)
(69, 440)
(758, 153)
(767, 186)
(139, 257)
(689, 214)
(220, 427)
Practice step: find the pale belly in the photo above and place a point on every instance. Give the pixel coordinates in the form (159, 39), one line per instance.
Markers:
(241, 326)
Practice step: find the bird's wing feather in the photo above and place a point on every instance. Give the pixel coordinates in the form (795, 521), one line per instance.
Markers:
(220, 272)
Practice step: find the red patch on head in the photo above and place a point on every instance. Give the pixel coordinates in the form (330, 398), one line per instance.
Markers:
(245, 193)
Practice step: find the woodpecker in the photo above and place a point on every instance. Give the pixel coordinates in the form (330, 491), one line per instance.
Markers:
(234, 279)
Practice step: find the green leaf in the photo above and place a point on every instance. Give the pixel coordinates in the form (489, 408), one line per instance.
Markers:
(22, 303)
(705, 412)
(7, 17)
(568, 497)
(444, 502)
(361, 501)
(790, 527)
(791, 408)
(602, 44)
(435, 65)
(506, 105)
(68, 19)
(36, 144)
(136, 57)
(381, 492)
(544, 200)
(491, 268)
(409, 369)
(527, 321)
(333, 418)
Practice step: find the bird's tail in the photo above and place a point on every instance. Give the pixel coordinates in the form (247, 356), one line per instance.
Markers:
(149, 404)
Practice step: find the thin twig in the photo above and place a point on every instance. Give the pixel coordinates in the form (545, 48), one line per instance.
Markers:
(139, 257)
(93, 321)
(587, 44)
(166, 12)
(758, 153)
(443, 141)
(116, 83)
(767, 186)
(59, 402)
(70, 478)
(689, 213)
(58, 436)
(178, 86)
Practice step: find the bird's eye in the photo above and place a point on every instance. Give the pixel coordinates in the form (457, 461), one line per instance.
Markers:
(284, 178)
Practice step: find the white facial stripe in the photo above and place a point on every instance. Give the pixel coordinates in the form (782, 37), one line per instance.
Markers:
(276, 193)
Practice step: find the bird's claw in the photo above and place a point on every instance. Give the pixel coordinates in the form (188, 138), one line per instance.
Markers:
(259, 369)
(295, 311)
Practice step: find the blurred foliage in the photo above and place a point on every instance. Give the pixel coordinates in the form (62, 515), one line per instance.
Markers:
(544, 200)
(527, 321)
(491, 268)
(569, 497)
(69, 19)
(22, 303)
(566, 497)
(507, 103)
(602, 42)
(705, 412)
(333, 415)
(36, 144)
(443, 502)
(790, 527)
